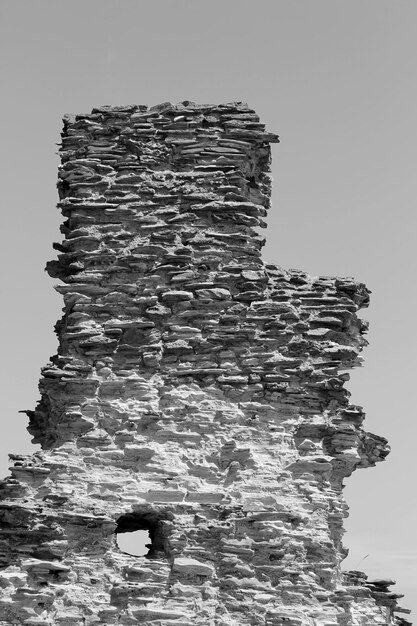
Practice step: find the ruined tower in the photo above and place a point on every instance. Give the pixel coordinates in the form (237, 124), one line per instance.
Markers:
(197, 393)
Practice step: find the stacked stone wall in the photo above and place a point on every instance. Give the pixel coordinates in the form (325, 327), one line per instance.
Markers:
(197, 393)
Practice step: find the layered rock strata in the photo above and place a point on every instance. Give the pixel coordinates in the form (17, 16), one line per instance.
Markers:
(197, 393)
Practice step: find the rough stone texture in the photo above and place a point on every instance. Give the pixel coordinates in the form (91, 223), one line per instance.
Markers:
(197, 393)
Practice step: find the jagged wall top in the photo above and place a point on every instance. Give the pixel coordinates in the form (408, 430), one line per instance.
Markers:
(204, 164)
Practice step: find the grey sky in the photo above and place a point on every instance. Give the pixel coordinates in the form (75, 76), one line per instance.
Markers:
(337, 81)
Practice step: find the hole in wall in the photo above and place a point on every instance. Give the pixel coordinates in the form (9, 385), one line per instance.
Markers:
(141, 534)
(135, 543)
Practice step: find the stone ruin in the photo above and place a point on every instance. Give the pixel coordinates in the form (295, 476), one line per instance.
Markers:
(198, 393)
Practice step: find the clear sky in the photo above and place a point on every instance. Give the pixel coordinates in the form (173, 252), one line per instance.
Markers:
(336, 79)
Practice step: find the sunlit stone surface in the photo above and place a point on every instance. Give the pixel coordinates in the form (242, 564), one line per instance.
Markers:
(197, 395)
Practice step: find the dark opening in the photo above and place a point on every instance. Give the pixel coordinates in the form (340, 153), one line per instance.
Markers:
(146, 535)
